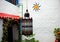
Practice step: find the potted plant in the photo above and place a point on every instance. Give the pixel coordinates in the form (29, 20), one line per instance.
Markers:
(57, 34)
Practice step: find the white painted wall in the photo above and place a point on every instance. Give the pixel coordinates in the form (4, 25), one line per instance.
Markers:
(1, 29)
(9, 8)
(44, 21)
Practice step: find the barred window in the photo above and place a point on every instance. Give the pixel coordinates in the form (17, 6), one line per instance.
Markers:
(15, 2)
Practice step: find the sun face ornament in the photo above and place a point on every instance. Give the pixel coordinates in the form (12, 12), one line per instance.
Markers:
(36, 7)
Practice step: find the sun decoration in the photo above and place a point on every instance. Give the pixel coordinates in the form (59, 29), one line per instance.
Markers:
(36, 7)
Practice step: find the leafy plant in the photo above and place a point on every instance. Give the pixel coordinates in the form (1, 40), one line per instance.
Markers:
(57, 33)
(32, 39)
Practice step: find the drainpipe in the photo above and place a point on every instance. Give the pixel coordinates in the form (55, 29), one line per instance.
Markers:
(20, 4)
(21, 23)
(20, 29)
(22, 8)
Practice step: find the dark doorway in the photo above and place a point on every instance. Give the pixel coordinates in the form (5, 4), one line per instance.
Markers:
(10, 34)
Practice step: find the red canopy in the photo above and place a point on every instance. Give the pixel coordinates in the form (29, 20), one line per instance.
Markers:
(4, 15)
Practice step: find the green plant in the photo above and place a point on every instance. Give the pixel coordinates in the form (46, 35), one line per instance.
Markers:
(57, 33)
(32, 39)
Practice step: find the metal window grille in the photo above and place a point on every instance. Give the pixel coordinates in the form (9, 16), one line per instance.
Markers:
(15, 2)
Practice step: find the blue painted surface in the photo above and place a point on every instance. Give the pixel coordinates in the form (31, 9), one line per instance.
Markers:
(17, 2)
(9, 1)
(21, 26)
(20, 29)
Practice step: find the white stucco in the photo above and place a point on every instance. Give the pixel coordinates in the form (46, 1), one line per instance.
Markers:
(1, 29)
(9, 8)
(44, 20)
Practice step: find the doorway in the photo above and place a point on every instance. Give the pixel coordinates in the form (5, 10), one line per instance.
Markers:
(10, 34)
(13, 32)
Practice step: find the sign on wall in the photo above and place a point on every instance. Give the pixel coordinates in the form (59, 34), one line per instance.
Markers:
(36, 7)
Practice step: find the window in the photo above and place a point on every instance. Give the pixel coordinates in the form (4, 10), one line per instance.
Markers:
(15, 2)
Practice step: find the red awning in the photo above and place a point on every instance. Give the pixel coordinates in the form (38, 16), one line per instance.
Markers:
(4, 15)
